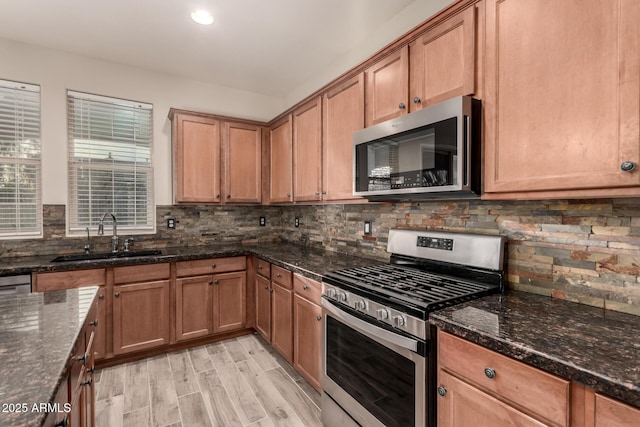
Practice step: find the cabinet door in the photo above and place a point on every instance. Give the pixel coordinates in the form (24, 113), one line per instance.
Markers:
(242, 150)
(197, 159)
(464, 405)
(194, 309)
(281, 162)
(307, 339)
(388, 87)
(562, 101)
(263, 307)
(443, 61)
(100, 340)
(140, 316)
(611, 413)
(229, 297)
(307, 151)
(282, 322)
(343, 114)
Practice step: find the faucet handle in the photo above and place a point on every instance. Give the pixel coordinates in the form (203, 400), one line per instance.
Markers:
(127, 243)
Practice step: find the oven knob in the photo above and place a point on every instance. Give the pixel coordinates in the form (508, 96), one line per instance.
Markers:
(382, 314)
(399, 321)
(331, 293)
(360, 305)
(342, 297)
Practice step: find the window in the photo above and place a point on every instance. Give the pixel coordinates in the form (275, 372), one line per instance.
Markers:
(110, 163)
(20, 191)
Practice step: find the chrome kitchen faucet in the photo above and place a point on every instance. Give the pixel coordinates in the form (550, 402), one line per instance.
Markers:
(114, 239)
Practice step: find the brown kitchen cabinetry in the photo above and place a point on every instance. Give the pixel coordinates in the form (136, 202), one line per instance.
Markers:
(210, 303)
(443, 61)
(307, 151)
(274, 307)
(343, 114)
(478, 386)
(196, 158)
(612, 413)
(100, 340)
(141, 307)
(307, 329)
(281, 161)
(562, 107)
(387, 87)
(242, 162)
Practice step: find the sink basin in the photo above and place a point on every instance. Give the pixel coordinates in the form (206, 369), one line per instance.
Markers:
(106, 255)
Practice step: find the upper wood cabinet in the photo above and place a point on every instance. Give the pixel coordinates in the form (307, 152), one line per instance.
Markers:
(242, 162)
(562, 98)
(387, 91)
(281, 161)
(343, 114)
(196, 154)
(443, 61)
(307, 151)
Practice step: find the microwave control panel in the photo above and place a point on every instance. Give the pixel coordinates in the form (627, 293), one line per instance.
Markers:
(435, 243)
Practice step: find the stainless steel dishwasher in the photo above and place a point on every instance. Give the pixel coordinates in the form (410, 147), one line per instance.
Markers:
(12, 285)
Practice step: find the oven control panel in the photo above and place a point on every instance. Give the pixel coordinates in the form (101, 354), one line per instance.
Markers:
(435, 243)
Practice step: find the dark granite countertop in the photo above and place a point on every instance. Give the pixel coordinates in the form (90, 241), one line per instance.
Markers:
(592, 346)
(309, 262)
(37, 334)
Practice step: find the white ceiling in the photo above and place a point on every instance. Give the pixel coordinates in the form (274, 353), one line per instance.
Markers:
(264, 46)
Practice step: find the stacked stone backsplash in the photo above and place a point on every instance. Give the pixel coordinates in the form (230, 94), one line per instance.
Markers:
(586, 251)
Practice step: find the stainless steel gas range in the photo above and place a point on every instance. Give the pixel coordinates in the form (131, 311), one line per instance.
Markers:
(378, 357)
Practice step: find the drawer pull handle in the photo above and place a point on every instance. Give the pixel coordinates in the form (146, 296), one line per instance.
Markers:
(93, 323)
(442, 391)
(117, 294)
(318, 318)
(213, 266)
(305, 287)
(490, 373)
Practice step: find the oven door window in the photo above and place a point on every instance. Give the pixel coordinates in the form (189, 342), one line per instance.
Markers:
(380, 379)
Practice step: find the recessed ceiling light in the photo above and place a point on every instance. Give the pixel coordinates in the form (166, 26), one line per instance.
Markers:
(202, 17)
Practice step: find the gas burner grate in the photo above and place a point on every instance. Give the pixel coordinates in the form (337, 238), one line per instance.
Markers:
(411, 285)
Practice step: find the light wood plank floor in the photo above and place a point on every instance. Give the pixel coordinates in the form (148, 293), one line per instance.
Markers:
(237, 382)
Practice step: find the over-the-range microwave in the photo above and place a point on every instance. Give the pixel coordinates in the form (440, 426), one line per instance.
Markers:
(431, 153)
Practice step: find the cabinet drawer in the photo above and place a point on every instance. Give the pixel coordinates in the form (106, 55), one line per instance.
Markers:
(282, 276)
(307, 288)
(263, 268)
(534, 390)
(209, 266)
(68, 279)
(140, 273)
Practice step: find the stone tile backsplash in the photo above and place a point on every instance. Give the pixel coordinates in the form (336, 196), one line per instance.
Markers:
(586, 251)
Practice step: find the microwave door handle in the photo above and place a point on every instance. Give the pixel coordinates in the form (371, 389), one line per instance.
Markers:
(467, 148)
(368, 328)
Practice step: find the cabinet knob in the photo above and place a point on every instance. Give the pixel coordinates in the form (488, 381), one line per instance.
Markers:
(270, 289)
(88, 382)
(62, 423)
(324, 192)
(318, 318)
(93, 323)
(442, 391)
(266, 287)
(101, 296)
(627, 166)
(215, 282)
(402, 106)
(417, 100)
(228, 196)
(210, 282)
(217, 196)
(288, 194)
(490, 373)
(213, 266)
(317, 193)
(117, 294)
(278, 275)
(305, 287)
(259, 266)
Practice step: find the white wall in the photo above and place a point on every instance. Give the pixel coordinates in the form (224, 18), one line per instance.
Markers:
(411, 16)
(57, 71)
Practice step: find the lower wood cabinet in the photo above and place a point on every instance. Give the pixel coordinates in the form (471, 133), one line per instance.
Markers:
(211, 303)
(140, 316)
(307, 329)
(263, 306)
(281, 320)
(612, 413)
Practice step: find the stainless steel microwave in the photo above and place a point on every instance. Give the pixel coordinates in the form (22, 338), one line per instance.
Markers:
(431, 153)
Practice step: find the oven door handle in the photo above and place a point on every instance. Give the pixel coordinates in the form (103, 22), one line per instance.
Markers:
(368, 328)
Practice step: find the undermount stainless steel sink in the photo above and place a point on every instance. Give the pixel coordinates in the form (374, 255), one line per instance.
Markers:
(106, 255)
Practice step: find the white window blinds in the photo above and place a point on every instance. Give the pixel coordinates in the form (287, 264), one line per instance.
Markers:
(20, 191)
(110, 162)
